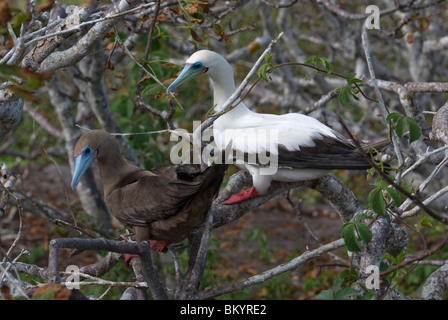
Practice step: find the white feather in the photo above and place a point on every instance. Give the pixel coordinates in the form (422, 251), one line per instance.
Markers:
(250, 132)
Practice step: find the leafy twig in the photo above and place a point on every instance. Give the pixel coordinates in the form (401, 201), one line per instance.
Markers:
(414, 198)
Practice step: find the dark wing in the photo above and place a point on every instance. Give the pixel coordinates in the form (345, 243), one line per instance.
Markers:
(146, 198)
(194, 211)
(328, 153)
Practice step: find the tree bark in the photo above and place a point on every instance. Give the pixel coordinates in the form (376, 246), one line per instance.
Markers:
(11, 108)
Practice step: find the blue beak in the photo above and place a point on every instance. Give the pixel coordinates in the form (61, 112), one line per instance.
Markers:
(187, 73)
(82, 163)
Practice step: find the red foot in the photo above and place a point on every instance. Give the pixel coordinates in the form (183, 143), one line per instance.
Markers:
(159, 246)
(128, 257)
(243, 195)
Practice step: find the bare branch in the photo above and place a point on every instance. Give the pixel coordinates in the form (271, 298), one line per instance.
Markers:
(268, 274)
(102, 244)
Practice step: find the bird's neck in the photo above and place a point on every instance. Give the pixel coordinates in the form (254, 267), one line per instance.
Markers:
(222, 92)
(113, 169)
(223, 88)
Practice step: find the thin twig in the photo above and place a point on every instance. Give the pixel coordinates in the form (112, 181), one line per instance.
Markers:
(130, 55)
(87, 23)
(102, 282)
(149, 43)
(268, 274)
(142, 249)
(20, 211)
(333, 92)
(417, 258)
(414, 198)
(383, 108)
(70, 225)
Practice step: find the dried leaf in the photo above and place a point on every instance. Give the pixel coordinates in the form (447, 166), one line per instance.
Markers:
(24, 94)
(195, 36)
(52, 292)
(162, 17)
(144, 79)
(5, 13)
(196, 20)
(220, 32)
(410, 38)
(254, 46)
(176, 10)
(425, 22)
(198, 6)
(6, 292)
(110, 84)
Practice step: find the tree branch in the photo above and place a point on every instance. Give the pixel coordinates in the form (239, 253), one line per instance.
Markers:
(141, 249)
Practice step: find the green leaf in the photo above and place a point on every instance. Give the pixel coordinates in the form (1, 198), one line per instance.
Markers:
(383, 266)
(377, 202)
(129, 110)
(400, 257)
(389, 257)
(33, 83)
(414, 130)
(311, 60)
(20, 18)
(152, 89)
(344, 293)
(395, 195)
(364, 232)
(338, 292)
(362, 216)
(325, 295)
(337, 284)
(400, 126)
(393, 117)
(354, 94)
(327, 64)
(263, 71)
(351, 79)
(378, 183)
(348, 275)
(350, 239)
(268, 58)
(425, 222)
(396, 260)
(344, 96)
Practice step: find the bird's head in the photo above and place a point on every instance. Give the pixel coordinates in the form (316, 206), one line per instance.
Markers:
(200, 62)
(89, 147)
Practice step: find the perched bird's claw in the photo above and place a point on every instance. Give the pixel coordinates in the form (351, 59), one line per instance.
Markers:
(128, 257)
(243, 195)
(159, 246)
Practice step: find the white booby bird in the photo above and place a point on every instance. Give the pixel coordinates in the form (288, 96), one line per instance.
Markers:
(297, 147)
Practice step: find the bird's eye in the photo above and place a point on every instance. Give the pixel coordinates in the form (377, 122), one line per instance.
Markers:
(197, 66)
(88, 150)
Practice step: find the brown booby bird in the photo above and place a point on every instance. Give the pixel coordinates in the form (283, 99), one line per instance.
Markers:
(163, 205)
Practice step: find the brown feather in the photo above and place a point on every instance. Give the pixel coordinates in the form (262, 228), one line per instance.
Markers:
(165, 204)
